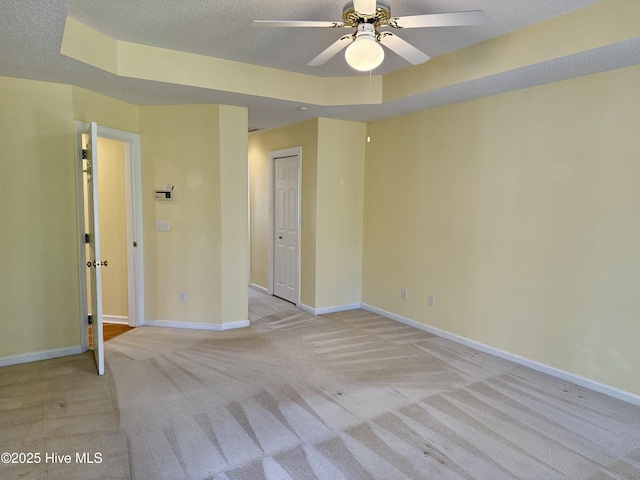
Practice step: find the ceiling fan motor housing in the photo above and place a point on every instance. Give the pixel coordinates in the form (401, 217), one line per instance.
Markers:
(366, 30)
(351, 18)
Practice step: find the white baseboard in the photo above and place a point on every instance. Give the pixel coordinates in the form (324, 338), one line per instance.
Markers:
(540, 367)
(196, 325)
(334, 309)
(259, 288)
(338, 308)
(306, 308)
(37, 356)
(119, 319)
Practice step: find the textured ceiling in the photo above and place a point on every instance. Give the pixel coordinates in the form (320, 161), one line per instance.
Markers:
(31, 34)
(223, 28)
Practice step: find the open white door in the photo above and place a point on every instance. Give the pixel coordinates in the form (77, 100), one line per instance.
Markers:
(94, 261)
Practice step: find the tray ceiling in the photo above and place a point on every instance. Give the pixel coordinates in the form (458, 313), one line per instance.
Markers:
(31, 33)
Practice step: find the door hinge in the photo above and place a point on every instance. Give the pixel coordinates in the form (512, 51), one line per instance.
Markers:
(87, 238)
(90, 319)
(84, 153)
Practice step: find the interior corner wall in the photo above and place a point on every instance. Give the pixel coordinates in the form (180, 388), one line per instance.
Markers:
(519, 213)
(39, 310)
(304, 134)
(181, 146)
(340, 196)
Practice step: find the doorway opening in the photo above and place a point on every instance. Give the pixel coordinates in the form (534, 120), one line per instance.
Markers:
(113, 242)
(285, 185)
(115, 211)
(109, 331)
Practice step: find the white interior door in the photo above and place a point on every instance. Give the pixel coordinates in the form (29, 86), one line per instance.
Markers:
(94, 261)
(286, 226)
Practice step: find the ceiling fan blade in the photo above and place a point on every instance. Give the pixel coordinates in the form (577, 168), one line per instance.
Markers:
(455, 19)
(333, 49)
(295, 23)
(365, 7)
(407, 51)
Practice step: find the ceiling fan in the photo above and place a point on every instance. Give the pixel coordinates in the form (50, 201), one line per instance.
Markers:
(364, 52)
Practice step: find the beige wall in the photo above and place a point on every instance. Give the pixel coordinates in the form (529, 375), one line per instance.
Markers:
(39, 306)
(39, 310)
(113, 245)
(233, 216)
(105, 111)
(340, 187)
(519, 212)
(182, 146)
(304, 134)
(258, 211)
(179, 146)
(332, 203)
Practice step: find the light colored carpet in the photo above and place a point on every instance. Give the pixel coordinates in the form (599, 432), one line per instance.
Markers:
(349, 395)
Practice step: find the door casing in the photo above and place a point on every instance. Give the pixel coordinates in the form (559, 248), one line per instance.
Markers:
(133, 207)
(273, 154)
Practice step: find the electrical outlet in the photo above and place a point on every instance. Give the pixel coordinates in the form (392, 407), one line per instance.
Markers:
(163, 226)
(403, 293)
(431, 301)
(183, 296)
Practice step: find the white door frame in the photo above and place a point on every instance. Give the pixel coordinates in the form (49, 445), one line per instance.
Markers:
(133, 208)
(273, 154)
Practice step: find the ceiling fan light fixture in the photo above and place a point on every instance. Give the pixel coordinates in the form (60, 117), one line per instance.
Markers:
(364, 50)
(364, 53)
